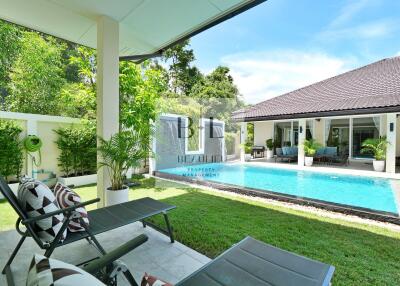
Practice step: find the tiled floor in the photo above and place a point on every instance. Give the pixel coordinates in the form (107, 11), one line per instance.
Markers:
(157, 256)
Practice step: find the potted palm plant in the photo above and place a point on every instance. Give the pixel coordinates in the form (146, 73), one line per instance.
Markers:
(376, 146)
(124, 150)
(310, 147)
(270, 148)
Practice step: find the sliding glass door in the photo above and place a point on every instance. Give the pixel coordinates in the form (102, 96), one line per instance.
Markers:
(364, 128)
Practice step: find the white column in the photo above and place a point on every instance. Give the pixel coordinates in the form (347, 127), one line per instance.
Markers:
(31, 129)
(302, 137)
(351, 137)
(243, 137)
(107, 89)
(391, 120)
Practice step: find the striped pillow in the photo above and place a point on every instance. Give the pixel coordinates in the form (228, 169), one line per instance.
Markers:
(66, 198)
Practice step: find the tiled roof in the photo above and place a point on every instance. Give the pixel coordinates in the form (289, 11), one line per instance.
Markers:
(375, 86)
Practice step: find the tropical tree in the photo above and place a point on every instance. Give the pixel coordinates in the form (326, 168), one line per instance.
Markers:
(9, 48)
(36, 77)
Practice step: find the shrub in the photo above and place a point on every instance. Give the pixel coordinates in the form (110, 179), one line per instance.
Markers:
(11, 153)
(230, 143)
(270, 144)
(77, 145)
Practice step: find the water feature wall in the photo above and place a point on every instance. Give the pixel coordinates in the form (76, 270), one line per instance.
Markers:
(170, 143)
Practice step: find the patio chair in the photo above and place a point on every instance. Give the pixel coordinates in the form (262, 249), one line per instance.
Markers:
(101, 220)
(288, 154)
(250, 262)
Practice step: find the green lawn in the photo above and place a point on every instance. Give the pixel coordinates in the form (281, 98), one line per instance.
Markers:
(211, 223)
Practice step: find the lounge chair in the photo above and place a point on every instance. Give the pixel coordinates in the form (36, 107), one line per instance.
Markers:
(101, 220)
(248, 263)
(252, 262)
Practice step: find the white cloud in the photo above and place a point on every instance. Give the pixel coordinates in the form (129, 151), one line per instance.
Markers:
(368, 30)
(397, 54)
(350, 10)
(263, 75)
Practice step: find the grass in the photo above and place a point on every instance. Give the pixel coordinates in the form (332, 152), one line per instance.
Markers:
(211, 222)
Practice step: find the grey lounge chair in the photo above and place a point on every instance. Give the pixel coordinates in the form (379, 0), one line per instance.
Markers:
(101, 220)
(252, 262)
(248, 263)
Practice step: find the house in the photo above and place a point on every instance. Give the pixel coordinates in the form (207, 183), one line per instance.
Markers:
(340, 111)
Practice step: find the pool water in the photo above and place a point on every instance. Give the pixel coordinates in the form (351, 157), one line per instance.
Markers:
(365, 192)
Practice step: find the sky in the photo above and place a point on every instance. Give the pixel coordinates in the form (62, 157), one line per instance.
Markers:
(282, 45)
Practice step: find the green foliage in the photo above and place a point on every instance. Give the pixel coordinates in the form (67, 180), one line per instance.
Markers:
(77, 100)
(77, 145)
(37, 76)
(182, 75)
(270, 144)
(230, 143)
(124, 150)
(9, 49)
(310, 147)
(11, 152)
(376, 146)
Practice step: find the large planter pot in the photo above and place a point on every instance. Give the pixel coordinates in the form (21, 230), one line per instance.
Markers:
(117, 197)
(308, 161)
(78, 180)
(270, 154)
(247, 157)
(379, 165)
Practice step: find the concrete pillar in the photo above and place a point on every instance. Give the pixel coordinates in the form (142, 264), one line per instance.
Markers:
(107, 89)
(391, 120)
(302, 137)
(243, 137)
(31, 168)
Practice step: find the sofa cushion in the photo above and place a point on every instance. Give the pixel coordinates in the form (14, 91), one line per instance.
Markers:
(320, 151)
(294, 150)
(66, 198)
(285, 151)
(331, 151)
(44, 271)
(37, 199)
(279, 152)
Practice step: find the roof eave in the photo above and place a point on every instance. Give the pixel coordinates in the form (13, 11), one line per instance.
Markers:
(224, 17)
(359, 111)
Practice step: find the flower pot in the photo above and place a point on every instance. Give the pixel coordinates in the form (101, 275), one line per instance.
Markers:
(78, 180)
(379, 165)
(114, 197)
(308, 161)
(270, 154)
(247, 157)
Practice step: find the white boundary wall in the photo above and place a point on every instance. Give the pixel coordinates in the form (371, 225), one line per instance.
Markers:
(42, 126)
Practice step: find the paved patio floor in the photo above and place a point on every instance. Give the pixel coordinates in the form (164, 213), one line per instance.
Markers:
(157, 256)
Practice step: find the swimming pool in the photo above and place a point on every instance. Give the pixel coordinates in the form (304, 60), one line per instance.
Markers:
(363, 192)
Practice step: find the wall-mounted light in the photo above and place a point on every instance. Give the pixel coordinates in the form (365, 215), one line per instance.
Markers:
(301, 129)
(391, 126)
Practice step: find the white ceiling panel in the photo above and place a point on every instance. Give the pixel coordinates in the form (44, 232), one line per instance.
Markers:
(146, 26)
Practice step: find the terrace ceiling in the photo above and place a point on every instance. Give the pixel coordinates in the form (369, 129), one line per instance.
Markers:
(146, 26)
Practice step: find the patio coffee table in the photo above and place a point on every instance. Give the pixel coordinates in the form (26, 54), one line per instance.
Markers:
(254, 263)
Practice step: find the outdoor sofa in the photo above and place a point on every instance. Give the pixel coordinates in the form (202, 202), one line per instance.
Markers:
(288, 154)
(329, 155)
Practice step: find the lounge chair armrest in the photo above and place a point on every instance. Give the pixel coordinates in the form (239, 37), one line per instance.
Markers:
(64, 211)
(98, 264)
